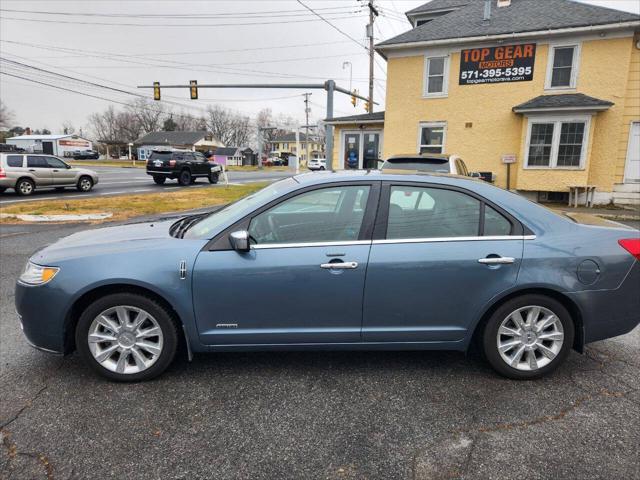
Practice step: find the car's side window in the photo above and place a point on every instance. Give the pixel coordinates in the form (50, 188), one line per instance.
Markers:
(331, 214)
(200, 157)
(14, 160)
(495, 224)
(53, 162)
(417, 212)
(36, 162)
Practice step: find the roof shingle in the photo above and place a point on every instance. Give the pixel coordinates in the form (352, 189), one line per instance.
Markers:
(568, 100)
(520, 17)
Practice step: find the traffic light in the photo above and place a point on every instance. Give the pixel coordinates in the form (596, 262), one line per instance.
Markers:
(193, 89)
(156, 90)
(354, 99)
(367, 107)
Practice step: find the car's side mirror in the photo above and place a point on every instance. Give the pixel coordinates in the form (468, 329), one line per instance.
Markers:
(67, 166)
(240, 241)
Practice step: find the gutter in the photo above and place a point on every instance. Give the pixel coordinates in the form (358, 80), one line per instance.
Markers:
(507, 36)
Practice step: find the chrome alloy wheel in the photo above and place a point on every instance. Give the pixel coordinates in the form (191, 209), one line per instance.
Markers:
(125, 339)
(25, 187)
(85, 184)
(530, 338)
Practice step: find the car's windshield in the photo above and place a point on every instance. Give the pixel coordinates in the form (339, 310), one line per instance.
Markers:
(209, 225)
(440, 165)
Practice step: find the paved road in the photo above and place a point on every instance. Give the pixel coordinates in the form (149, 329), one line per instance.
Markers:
(118, 181)
(336, 415)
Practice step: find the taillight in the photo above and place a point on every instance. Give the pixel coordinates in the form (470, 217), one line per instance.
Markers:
(2, 173)
(631, 245)
(172, 163)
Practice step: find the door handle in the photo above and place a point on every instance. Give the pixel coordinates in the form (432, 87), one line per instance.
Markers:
(496, 260)
(55, 171)
(340, 265)
(32, 169)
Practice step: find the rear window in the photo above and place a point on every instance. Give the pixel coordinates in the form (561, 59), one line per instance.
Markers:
(37, 162)
(161, 156)
(439, 165)
(14, 160)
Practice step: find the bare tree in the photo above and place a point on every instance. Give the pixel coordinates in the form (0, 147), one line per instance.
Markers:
(104, 126)
(68, 128)
(128, 127)
(6, 115)
(150, 115)
(185, 122)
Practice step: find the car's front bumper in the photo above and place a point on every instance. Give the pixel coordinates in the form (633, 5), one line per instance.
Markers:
(41, 310)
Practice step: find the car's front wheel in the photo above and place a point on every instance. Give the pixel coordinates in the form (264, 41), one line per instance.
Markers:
(214, 177)
(127, 337)
(528, 337)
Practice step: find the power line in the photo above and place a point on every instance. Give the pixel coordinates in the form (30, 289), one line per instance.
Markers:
(342, 17)
(331, 24)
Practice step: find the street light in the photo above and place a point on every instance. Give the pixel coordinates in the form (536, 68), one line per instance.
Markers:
(344, 64)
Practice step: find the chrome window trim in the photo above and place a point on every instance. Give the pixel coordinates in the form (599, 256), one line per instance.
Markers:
(391, 241)
(267, 246)
(454, 239)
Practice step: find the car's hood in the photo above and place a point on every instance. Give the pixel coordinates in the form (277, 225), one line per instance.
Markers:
(108, 240)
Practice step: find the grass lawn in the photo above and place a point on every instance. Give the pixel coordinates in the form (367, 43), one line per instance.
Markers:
(128, 206)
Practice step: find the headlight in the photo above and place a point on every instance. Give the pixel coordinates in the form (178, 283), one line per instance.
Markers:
(37, 274)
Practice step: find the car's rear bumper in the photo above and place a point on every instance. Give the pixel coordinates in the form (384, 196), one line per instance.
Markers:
(7, 182)
(609, 313)
(167, 173)
(41, 313)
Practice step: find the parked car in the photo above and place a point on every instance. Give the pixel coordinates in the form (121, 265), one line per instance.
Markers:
(317, 164)
(86, 155)
(421, 262)
(184, 165)
(26, 172)
(438, 163)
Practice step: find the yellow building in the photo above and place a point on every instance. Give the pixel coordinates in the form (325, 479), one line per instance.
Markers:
(553, 85)
(285, 145)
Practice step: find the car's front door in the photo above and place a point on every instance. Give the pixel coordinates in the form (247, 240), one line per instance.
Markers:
(60, 173)
(38, 167)
(439, 255)
(302, 281)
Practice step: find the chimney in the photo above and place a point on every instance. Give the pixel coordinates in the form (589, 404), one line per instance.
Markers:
(27, 131)
(504, 3)
(487, 10)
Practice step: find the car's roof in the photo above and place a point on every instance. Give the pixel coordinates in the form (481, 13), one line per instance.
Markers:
(313, 178)
(421, 156)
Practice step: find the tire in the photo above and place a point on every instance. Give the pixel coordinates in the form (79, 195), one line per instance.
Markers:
(322, 168)
(214, 178)
(159, 179)
(3, 189)
(521, 343)
(130, 369)
(185, 178)
(85, 184)
(25, 187)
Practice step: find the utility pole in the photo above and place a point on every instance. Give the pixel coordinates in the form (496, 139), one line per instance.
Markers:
(373, 13)
(306, 125)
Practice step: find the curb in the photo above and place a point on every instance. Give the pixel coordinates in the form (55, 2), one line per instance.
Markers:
(57, 218)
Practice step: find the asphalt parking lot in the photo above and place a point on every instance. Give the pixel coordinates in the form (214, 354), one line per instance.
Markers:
(121, 181)
(387, 415)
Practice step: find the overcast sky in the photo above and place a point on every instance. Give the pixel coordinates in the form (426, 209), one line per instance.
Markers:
(122, 44)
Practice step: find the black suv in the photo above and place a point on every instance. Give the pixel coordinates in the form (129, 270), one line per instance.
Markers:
(185, 165)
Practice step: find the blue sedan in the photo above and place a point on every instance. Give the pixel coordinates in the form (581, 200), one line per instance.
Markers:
(354, 260)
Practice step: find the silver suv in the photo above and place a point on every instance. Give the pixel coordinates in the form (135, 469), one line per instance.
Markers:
(24, 172)
(427, 162)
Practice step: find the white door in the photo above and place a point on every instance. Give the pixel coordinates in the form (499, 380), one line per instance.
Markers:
(632, 166)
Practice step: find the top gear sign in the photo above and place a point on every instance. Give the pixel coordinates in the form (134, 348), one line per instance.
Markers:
(510, 63)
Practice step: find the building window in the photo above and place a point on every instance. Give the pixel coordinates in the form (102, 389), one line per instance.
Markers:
(557, 143)
(436, 76)
(432, 137)
(562, 71)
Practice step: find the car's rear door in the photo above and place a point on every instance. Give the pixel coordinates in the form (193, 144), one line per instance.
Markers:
(39, 170)
(439, 255)
(302, 282)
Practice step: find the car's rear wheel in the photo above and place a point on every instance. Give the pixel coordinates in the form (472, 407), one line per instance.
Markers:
(159, 179)
(25, 186)
(528, 337)
(127, 337)
(185, 178)
(214, 177)
(322, 168)
(85, 184)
